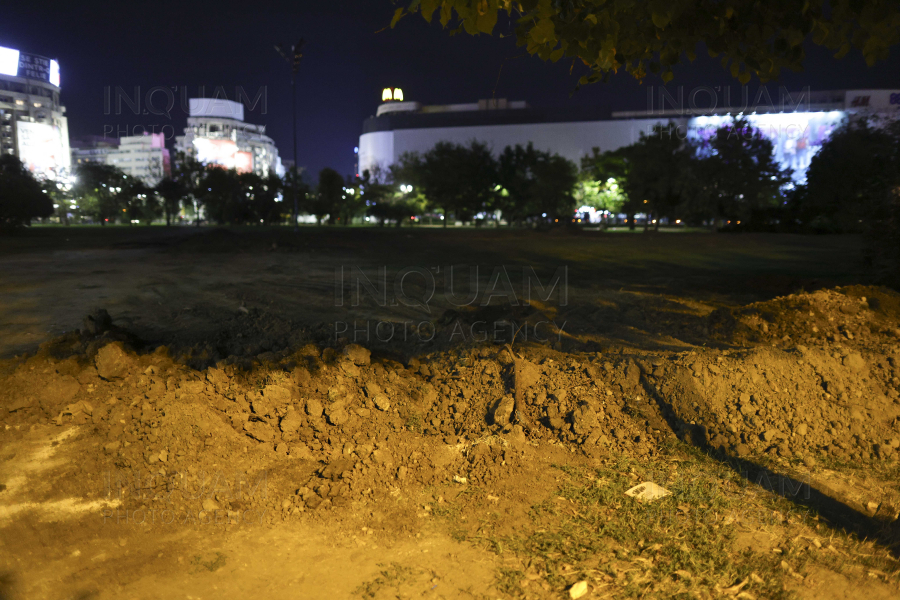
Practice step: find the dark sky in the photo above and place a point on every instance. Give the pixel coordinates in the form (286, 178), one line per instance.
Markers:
(194, 45)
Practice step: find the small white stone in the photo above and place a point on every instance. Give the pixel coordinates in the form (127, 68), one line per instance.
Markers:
(579, 590)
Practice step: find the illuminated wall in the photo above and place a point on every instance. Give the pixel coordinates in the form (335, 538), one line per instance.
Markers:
(224, 153)
(796, 137)
(243, 162)
(571, 140)
(41, 149)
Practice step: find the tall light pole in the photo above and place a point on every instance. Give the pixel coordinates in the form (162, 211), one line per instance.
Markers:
(293, 55)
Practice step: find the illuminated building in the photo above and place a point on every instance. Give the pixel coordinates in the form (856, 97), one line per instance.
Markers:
(796, 124)
(142, 156)
(33, 125)
(91, 149)
(217, 134)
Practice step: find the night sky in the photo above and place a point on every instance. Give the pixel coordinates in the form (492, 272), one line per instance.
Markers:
(196, 45)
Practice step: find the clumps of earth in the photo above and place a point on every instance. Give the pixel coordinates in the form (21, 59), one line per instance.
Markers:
(328, 426)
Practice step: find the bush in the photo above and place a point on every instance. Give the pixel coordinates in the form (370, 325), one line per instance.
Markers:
(21, 196)
(853, 185)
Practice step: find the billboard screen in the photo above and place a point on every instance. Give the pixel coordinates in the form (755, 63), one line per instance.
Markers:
(243, 162)
(217, 152)
(224, 153)
(9, 61)
(796, 137)
(41, 148)
(30, 66)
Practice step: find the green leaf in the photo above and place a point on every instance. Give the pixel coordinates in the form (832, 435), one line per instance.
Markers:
(398, 14)
(428, 7)
(556, 54)
(543, 31)
(446, 13)
(660, 20)
(487, 21)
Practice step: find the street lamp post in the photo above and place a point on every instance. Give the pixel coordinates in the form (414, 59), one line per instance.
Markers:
(293, 55)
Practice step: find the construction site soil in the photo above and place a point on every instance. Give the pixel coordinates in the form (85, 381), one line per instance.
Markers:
(282, 461)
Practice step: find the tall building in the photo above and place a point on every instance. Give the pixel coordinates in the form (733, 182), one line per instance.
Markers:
(142, 156)
(797, 124)
(217, 134)
(33, 125)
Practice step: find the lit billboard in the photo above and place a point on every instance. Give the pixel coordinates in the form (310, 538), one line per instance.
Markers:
(796, 137)
(223, 153)
(29, 66)
(243, 162)
(41, 148)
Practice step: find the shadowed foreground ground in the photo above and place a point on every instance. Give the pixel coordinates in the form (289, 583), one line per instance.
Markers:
(238, 429)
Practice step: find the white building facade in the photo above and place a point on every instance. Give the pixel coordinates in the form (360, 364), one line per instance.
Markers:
(142, 156)
(33, 125)
(217, 134)
(797, 128)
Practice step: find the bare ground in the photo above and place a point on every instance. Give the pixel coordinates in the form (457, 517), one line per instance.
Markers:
(236, 431)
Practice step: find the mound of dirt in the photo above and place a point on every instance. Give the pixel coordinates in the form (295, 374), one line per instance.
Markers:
(330, 426)
(797, 403)
(862, 317)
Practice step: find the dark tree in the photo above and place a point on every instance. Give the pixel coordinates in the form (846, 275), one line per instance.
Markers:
(456, 179)
(188, 171)
(736, 176)
(379, 198)
(264, 198)
(140, 201)
(536, 185)
(99, 189)
(328, 195)
(655, 172)
(853, 184)
(223, 196)
(172, 192)
(848, 179)
(21, 195)
(306, 197)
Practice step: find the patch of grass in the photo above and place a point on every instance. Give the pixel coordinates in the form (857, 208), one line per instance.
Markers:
(459, 534)
(676, 546)
(391, 576)
(212, 564)
(508, 581)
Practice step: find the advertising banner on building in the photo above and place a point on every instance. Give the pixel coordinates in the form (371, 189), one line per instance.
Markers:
(41, 148)
(796, 137)
(29, 66)
(243, 162)
(223, 153)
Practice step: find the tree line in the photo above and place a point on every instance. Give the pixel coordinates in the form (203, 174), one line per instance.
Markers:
(732, 176)
(729, 180)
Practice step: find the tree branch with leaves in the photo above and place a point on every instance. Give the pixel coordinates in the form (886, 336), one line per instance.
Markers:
(750, 37)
